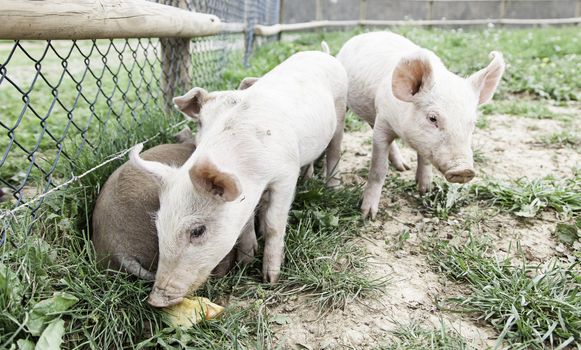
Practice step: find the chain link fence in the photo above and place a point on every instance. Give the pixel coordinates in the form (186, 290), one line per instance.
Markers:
(63, 99)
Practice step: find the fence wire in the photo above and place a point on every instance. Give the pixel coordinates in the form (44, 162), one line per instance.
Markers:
(60, 99)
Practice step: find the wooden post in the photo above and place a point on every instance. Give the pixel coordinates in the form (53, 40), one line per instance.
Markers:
(281, 17)
(430, 10)
(578, 9)
(502, 9)
(319, 10)
(362, 10)
(318, 13)
(176, 65)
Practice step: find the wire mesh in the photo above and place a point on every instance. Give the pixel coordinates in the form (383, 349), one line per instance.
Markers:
(59, 99)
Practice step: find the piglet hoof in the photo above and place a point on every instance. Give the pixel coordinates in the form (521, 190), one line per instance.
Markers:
(401, 166)
(424, 184)
(271, 275)
(333, 183)
(424, 188)
(368, 209)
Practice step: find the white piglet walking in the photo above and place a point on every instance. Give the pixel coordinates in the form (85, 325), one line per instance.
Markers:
(405, 91)
(258, 143)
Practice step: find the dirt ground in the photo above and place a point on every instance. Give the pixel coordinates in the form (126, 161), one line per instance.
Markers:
(511, 149)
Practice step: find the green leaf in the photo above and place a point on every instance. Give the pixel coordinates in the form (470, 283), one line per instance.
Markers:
(10, 284)
(52, 337)
(25, 344)
(527, 211)
(567, 234)
(47, 309)
(280, 319)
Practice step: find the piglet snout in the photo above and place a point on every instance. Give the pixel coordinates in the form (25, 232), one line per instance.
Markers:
(460, 175)
(160, 298)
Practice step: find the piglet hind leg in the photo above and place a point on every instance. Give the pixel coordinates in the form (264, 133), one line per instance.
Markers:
(281, 195)
(382, 138)
(225, 265)
(134, 267)
(333, 153)
(308, 171)
(424, 175)
(396, 159)
(247, 244)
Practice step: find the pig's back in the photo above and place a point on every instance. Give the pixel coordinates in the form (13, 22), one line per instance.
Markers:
(122, 218)
(369, 59)
(303, 90)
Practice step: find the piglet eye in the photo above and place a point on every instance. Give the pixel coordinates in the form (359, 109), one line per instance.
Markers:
(433, 119)
(197, 232)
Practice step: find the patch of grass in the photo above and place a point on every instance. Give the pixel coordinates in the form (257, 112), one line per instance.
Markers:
(526, 198)
(416, 336)
(530, 306)
(522, 197)
(523, 108)
(542, 62)
(239, 328)
(480, 157)
(321, 258)
(58, 256)
(483, 122)
(353, 122)
(565, 138)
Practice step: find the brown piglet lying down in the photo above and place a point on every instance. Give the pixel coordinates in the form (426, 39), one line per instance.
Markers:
(124, 232)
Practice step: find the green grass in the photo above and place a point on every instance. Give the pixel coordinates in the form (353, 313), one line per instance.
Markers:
(565, 138)
(415, 336)
(523, 197)
(524, 108)
(530, 306)
(526, 198)
(542, 62)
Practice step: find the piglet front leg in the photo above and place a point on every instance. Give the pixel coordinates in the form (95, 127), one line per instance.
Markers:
(382, 138)
(424, 175)
(333, 152)
(275, 217)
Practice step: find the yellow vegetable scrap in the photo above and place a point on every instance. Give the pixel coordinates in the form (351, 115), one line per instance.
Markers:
(191, 311)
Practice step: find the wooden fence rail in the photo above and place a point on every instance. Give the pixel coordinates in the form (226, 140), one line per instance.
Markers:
(294, 27)
(102, 19)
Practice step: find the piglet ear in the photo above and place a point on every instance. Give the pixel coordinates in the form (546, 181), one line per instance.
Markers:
(208, 177)
(247, 82)
(412, 74)
(159, 170)
(486, 80)
(191, 103)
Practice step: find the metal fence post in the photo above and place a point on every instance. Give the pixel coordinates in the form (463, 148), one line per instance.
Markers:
(176, 65)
